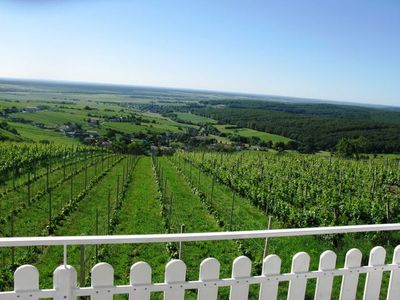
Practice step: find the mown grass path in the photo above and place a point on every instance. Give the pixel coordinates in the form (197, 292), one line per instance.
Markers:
(187, 209)
(141, 214)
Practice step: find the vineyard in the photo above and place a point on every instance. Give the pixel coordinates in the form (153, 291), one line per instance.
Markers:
(64, 190)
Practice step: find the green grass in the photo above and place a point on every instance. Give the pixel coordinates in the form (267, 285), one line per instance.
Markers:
(246, 132)
(161, 125)
(7, 135)
(141, 215)
(187, 209)
(220, 139)
(195, 119)
(52, 118)
(37, 134)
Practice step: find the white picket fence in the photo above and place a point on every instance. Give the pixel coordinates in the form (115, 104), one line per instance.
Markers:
(140, 287)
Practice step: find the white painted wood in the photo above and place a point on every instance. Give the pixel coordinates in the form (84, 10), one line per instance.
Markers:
(327, 262)
(140, 274)
(374, 278)
(186, 237)
(64, 281)
(269, 289)
(394, 282)
(209, 270)
(26, 278)
(102, 276)
(241, 268)
(349, 286)
(297, 287)
(175, 272)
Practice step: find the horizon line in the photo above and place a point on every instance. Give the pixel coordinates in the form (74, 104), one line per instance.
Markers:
(238, 93)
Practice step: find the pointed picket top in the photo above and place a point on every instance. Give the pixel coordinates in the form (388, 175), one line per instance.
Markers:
(374, 278)
(297, 287)
(64, 281)
(140, 274)
(102, 275)
(26, 278)
(175, 272)
(241, 269)
(209, 270)
(394, 282)
(271, 266)
(327, 262)
(349, 286)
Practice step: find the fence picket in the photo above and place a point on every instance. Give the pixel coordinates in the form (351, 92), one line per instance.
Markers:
(175, 272)
(26, 278)
(394, 282)
(348, 289)
(297, 287)
(241, 268)
(209, 270)
(269, 289)
(327, 262)
(102, 276)
(140, 274)
(64, 281)
(374, 278)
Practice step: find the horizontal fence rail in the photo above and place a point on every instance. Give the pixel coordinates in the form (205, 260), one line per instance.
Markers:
(190, 237)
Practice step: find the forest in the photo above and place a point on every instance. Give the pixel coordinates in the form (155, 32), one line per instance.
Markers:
(316, 126)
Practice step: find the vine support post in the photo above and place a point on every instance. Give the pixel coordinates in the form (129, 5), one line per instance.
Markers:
(29, 187)
(71, 191)
(266, 239)
(181, 243)
(170, 212)
(75, 165)
(232, 208)
(64, 174)
(50, 208)
(12, 235)
(212, 190)
(86, 169)
(47, 176)
(117, 188)
(97, 233)
(108, 211)
(164, 188)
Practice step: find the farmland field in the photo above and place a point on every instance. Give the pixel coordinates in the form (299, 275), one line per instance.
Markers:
(246, 132)
(195, 119)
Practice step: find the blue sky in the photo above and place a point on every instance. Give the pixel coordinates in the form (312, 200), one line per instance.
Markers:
(345, 50)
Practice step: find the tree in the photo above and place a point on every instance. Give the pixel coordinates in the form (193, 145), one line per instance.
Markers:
(345, 148)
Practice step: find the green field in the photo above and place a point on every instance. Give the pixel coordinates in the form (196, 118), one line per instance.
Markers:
(37, 134)
(247, 132)
(195, 119)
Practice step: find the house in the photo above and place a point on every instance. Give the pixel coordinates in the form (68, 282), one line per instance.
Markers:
(93, 122)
